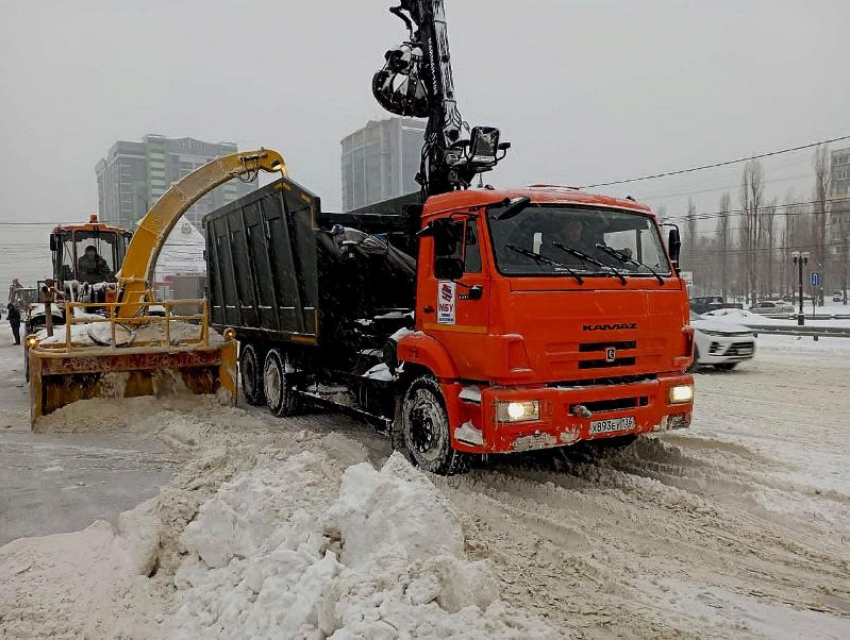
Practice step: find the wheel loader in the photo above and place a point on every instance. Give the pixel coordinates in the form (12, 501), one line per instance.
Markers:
(117, 340)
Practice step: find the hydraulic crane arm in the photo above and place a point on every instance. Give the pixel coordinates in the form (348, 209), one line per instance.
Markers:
(417, 81)
(136, 273)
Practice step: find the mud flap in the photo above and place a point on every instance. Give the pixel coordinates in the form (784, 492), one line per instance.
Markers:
(58, 380)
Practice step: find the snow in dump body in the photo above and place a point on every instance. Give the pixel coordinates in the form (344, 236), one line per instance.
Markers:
(287, 552)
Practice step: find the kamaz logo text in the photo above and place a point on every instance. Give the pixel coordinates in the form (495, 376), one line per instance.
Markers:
(609, 327)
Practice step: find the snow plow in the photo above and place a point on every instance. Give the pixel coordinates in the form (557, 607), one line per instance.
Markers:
(123, 342)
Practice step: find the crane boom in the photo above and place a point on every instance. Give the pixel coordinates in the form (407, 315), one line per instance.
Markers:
(417, 81)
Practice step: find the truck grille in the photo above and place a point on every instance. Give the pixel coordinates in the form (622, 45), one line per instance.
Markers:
(590, 347)
(601, 348)
(618, 404)
(604, 364)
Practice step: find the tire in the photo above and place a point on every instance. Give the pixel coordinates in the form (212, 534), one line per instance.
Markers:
(251, 364)
(281, 397)
(425, 430)
(695, 364)
(726, 366)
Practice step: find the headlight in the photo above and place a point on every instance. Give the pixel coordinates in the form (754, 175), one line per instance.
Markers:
(31, 341)
(229, 333)
(681, 394)
(518, 411)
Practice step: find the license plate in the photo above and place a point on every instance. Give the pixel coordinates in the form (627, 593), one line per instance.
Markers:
(608, 426)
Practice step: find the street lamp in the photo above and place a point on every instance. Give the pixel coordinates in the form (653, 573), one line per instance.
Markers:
(800, 259)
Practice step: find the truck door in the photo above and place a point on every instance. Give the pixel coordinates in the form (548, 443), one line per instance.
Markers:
(454, 293)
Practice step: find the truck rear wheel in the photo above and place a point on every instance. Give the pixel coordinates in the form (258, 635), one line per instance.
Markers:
(250, 372)
(425, 429)
(281, 397)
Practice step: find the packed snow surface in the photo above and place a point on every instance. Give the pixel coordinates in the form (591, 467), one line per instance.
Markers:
(309, 528)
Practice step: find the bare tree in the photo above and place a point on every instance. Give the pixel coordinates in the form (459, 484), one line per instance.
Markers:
(725, 212)
(768, 245)
(661, 212)
(691, 236)
(821, 162)
(751, 196)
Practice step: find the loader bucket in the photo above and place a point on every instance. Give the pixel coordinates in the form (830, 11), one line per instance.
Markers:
(65, 372)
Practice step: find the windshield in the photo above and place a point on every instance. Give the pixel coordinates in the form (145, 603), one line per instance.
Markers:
(558, 240)
(91, 256)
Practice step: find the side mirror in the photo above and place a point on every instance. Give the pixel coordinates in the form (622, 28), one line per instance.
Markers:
(54, 242)
(674, 246)
(484, 143)
(448, 268)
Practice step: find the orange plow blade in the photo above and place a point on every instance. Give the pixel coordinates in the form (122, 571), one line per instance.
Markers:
(95, 356)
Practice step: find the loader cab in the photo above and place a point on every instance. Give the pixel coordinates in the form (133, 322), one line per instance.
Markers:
(68, 246)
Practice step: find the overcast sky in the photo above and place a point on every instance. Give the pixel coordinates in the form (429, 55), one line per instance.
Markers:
(587, 91)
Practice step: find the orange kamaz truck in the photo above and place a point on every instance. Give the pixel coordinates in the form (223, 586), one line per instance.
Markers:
(466, 321)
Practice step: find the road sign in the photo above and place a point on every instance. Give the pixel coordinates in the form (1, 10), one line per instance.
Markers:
(815, 278)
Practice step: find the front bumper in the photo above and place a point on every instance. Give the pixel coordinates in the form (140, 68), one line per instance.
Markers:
(475, 428)
(721, 350)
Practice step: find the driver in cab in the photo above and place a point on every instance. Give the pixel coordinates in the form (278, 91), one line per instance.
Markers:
(572, 232)
(92, 268)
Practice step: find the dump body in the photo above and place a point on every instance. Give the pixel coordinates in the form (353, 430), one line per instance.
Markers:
(598, 355)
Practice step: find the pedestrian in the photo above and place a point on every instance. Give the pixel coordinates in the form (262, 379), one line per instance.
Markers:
(12, 288)
(14, 318)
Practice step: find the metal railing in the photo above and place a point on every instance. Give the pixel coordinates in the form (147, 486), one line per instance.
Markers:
(144, 318)
(795, 330)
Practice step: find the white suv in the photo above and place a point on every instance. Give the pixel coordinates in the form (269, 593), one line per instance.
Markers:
(721, 344)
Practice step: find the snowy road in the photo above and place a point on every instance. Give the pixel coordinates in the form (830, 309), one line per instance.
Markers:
(737, 528)
(54, 483)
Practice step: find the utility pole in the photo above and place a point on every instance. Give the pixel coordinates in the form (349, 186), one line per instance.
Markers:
(800, 259)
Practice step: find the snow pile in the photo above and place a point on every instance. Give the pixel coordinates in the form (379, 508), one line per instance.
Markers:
(741, 316)
(91, 583)
(287, 552)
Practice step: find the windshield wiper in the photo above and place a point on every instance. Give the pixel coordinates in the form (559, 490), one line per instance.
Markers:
(581, 255)
(622, 257)
(545, 260)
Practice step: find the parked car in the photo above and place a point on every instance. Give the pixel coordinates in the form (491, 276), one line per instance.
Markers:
(773, 308)
(704, 304)
(719, 344)
(837, 296)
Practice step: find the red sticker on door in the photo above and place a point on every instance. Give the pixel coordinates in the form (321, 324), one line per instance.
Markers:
(446, 302)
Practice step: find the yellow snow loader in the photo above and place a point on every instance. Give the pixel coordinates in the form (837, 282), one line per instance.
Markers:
(128, 343)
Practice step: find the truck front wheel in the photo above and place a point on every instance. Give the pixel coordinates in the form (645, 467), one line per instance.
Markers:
(281, 397)
(250, 370)
(425, 429)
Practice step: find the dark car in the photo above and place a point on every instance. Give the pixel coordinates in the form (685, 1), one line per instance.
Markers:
(711, 303)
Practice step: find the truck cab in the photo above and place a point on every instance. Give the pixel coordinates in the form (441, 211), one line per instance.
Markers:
(548, 316)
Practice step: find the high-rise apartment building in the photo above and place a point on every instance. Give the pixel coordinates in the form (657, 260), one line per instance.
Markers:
(133, 175)
(380, 161)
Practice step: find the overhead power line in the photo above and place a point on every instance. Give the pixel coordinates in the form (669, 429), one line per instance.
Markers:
(716, 164)
(739, 212)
